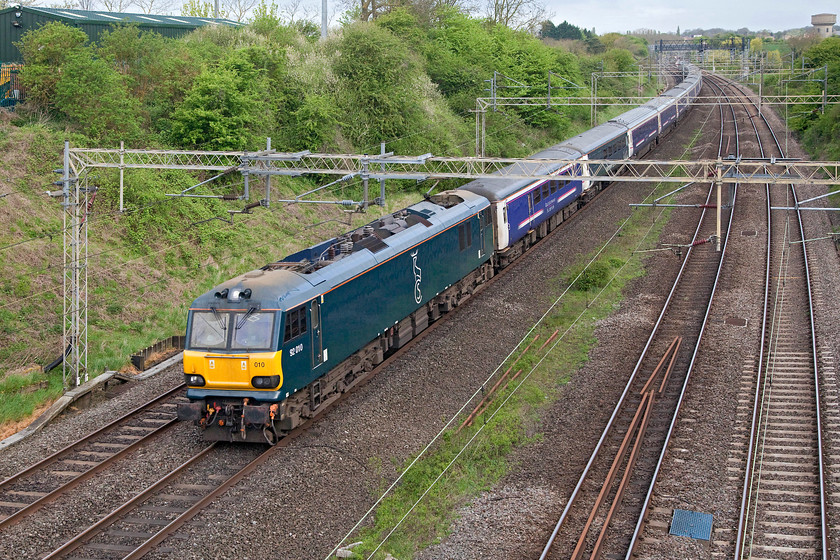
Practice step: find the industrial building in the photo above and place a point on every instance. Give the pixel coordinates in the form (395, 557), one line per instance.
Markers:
(17, 20)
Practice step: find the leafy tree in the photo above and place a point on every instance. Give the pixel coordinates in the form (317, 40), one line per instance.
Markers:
(826, 51)
(637, 46)
(823, 137)
(377, 72)
(563, 31)
(594, 44)
(91, 93)
(222, 109)
(197, 8)
(315, 122)
(618, 60)
(45, 50)
(774, 59)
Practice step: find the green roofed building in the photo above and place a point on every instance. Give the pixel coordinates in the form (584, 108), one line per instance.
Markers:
(17, 20)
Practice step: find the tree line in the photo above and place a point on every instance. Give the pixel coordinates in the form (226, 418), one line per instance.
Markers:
(407, 79)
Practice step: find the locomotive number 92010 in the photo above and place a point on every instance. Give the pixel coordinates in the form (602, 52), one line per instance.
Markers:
(295, 349)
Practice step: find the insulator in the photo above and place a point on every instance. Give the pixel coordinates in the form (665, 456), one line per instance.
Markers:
(367, 231)
(346, 247)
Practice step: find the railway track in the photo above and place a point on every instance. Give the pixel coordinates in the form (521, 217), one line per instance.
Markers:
(29, 490)
(136, 527)
(783, 511)
(601, 516)
(776, 463)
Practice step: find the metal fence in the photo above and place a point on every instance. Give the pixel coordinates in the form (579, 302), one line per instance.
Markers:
(12, 91)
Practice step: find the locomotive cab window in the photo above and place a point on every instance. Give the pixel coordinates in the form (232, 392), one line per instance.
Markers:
(295, 323)
(208, 330)
(465, 235)
(252, 331)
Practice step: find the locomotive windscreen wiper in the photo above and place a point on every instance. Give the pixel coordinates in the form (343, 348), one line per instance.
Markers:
(219, 318)
(245, 317)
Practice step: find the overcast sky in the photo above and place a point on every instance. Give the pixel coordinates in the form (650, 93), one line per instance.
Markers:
(665, 15)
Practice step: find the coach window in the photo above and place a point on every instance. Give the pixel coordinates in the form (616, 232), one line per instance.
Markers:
(465, 235)
(545, 192)
(537, 196)
(295, 323)
(484, 218)
(252, 331)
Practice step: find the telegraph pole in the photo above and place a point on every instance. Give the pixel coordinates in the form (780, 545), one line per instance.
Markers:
(323, 20)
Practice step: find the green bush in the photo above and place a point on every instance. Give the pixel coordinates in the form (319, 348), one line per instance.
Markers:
(93, 96)
(44, 51)
(222, 109)
(594, 277)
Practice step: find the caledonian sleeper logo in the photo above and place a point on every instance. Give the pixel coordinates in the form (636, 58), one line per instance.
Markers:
(418, 297)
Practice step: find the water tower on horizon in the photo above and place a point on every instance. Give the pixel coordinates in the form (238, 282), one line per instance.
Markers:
(824, 24)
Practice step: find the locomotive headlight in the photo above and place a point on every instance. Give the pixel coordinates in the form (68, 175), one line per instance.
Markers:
(194, 380)
(266, 381)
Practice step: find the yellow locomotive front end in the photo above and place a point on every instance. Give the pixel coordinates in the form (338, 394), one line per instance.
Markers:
(233, 371)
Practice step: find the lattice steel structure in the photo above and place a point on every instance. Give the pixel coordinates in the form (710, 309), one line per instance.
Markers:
(427, 166)
(75, 332)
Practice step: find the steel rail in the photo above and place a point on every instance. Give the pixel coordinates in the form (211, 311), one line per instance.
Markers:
(815, 357)
(86, 475)
(69, 448)
(96, 528)
(815, 363)
(759, 373)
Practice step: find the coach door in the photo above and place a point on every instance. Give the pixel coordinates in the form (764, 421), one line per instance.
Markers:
(317, 338)
(483, 222)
